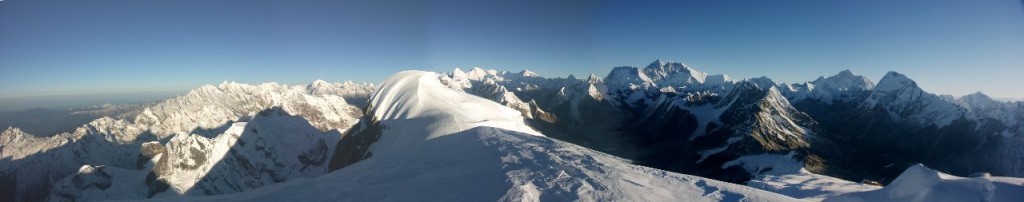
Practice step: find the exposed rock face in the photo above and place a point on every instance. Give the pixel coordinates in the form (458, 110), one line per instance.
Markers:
(354, 144)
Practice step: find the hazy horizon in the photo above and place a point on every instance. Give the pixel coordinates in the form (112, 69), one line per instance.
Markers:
(86, 99)
(68, 101)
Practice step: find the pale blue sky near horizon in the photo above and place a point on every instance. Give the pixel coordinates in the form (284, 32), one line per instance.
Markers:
(65, 47)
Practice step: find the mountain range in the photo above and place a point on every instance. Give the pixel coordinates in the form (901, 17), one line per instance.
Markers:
(661, 132)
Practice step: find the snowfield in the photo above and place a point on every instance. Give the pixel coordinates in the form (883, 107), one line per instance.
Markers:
(781, 174)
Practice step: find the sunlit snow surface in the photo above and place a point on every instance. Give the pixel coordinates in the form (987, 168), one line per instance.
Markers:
(439, 144)
(917, 184)
(920, 183)
(781, 174)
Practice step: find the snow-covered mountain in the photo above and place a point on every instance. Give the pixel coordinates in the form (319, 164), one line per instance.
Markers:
(897, 123)
(665, 115)
(844, 86)
(270, 148)
(631, 83)
(903, 100)
(842, 125)
(981, 107)
(215, 139)
(48, 122)
(663, 74)
(423, 134)
(662, 132)
(433, 144)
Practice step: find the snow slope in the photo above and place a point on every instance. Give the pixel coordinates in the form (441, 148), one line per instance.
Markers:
(784, 175)
(417, 107)
(440, 144)
(920, 183)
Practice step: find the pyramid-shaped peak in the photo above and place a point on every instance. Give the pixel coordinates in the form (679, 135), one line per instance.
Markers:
(593, 78)
(894, 74)
(656, 63)
(893, 80)
(527, 73)
(978, 94)
(846, 72)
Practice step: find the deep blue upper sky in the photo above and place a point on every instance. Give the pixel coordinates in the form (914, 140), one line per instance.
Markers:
(60, 47)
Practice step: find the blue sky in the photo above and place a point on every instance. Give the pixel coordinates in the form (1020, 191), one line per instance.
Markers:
(62, 47)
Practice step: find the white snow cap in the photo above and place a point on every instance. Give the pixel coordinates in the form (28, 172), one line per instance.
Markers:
(894, 81)
(844, 81)
(528, 73)
(417, 107)
(626, 74)
(674, 73)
